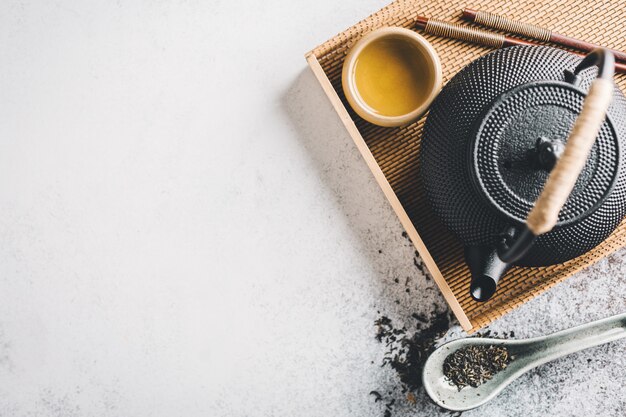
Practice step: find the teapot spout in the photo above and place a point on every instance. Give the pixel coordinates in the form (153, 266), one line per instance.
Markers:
(486, 268)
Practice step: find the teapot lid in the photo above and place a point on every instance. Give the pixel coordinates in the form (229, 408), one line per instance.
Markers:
(519, 139)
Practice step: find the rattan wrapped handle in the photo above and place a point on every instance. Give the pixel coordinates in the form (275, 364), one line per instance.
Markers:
(504, 24)
(464, 33)
(562, 179)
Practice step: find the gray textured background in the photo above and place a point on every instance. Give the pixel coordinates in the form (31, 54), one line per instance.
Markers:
(187, 229)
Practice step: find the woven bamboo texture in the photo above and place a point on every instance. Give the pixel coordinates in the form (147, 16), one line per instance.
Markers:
(396, 150)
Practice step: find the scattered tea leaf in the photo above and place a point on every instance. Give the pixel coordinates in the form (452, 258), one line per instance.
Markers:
(377, 396)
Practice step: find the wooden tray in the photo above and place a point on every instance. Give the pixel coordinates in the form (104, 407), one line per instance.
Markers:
(392, 154)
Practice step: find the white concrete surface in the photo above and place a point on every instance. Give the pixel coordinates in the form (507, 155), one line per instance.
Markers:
(187, 230)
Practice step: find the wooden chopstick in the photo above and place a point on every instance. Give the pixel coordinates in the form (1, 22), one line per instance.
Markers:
(505, 24)
(480, 36)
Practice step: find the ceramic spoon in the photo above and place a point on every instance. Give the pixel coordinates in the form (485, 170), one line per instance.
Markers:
(528, 353)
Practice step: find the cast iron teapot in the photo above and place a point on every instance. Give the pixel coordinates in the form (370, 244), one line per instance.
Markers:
(523, 159)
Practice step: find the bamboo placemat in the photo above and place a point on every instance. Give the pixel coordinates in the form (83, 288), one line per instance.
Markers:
(393, 154)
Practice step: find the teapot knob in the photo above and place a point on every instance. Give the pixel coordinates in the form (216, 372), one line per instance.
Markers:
(548, 152)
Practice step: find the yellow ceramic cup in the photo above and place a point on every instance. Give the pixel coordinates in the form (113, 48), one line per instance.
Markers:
(391, 76)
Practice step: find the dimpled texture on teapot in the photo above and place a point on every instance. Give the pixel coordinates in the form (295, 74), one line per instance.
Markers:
(447, 167)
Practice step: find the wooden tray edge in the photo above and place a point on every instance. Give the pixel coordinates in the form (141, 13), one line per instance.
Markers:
(389, 193)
